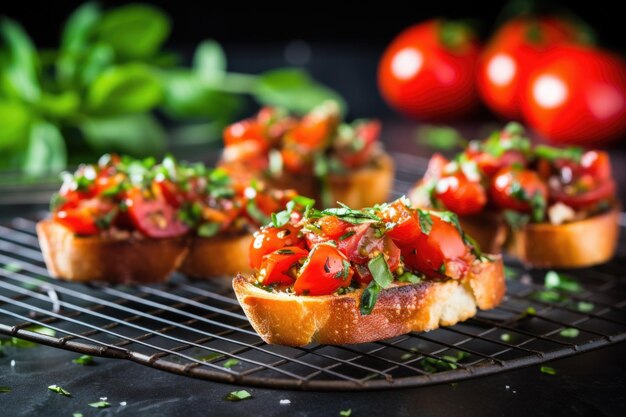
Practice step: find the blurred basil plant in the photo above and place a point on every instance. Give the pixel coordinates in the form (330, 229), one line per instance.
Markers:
(109, 79)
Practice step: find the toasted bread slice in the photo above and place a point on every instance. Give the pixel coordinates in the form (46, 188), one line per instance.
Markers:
(363, 187)
(488, 229)
(130, 258)
(219, 256)
(578, 244)
(288, 319)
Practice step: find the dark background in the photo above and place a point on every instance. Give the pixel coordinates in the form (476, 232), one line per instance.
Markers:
(346, 38)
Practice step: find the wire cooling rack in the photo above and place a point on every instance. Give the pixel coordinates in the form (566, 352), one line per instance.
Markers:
(196, 328)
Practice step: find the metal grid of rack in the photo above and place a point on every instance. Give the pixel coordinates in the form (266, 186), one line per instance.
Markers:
(196, 328)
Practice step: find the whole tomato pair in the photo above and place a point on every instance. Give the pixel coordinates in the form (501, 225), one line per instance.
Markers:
(536, 69)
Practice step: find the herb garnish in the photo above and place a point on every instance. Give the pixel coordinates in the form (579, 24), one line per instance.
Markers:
(209, 229)
(238, 395)
(230, 363)
(345, 271)
(505, 337)
(569, 332)
(59, 390)
(347, 235)
(4, 389)
(585, 306)
(410, 278)
(349, 215)
(345, 413)
(426, 223)
(285, 252)
(554, 280)
(550, 153)
(548, 370)
(100, 404)
(446, 363)
(382, 278)
(84, 360)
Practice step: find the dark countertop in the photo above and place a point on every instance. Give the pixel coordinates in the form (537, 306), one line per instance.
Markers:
(588, 385)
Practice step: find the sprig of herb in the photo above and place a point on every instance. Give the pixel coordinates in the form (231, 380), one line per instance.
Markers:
(547, 370)
(100, 404)
(238, 396)
(345, 413)
(59, 390)
(4, 389)
(230, 363)
(84, 360)
(554, 280)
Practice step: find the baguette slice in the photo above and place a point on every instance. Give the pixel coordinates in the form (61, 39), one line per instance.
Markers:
(219, 256)
(578, 244)
(363, 187)
(119, 260)
(287, 319)
(488, 229)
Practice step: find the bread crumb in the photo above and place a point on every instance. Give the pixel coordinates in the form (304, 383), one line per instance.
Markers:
(285, 402)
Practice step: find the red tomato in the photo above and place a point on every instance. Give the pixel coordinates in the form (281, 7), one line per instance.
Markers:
(333, 227)
(250, 152)
(440, 252)
(152, 216)
(325, 271)
(512, 52)
(577, 94)
(579, 200)
(427, 72)
(436, 166)
(297, 159)
(367, 133)
(597, 164)
(276, 266)
(81, 216)
(243, 131)
(513, 188)
(460, 195)
(270, 239)
(406, 229)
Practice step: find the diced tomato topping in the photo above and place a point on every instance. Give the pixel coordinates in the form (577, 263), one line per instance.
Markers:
(367, 133)
(325, 271)
(270, 239)
(82, 216)
(279, 267)
(247, 130)
(514, 189)
(153, 216)
(460, 195)
(406, 227)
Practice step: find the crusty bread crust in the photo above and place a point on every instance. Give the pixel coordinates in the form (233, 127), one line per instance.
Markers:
(578, 244)
(219, 256)
(128, 259)
(358, 188)
(287, 319)
(488, 229)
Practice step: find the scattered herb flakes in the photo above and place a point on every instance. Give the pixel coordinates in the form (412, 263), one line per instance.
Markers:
(346, 413)
(77, 415)
(554, 280)
(509, 273)
(380, 271)
(4, 389)
(569, 332)
(446, 363)
(585, 306)
(425, 221)
(210, 357)
(506, 337)
(238, 396)
(548, 370)
(230, 363)
(409, 355)
(59, 390)
(84, 360)
(100, 404)
(530, 311)
(549, 296)
(12, 267)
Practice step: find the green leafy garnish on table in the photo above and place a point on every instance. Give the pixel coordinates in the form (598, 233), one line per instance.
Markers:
(84, 360)
(238, 396)
(100, 404)
(59, 390)
(4, 389)
(548, 370)
(230, 363)
(570, 332)
(346, 413)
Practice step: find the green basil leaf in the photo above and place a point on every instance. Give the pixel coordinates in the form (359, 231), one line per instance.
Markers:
(59, 390)
(440, 137)
(21, 69)
(209, 61)
(230, 363)
(569, 332)
(15, 119)
(186, 95)
(345, 413)
(410, 278)
(208, 229)
(59, 105)
(4, 389)
(426, 223)
(238, 395)
(97, 60)
(554, 280)
(130, 88)
(79, 27)
(100, 404)
(84, 360)
(136, 134)
(46, 151)
(369, 297)
(551, 153)
(547, 370)
(380, 271)
(134, 30)
(294, 90)
(515, 219)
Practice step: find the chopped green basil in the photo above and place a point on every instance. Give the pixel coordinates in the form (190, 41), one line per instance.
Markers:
(410, 278)
(84, 360)
(569, 332)
(554, 280)
(100, 404)
(4, 389)
(551, 153)
(349, 215)
(77, 415)
(281, 218)
(208, 229)
(585, 306)
(238, 395)
(538, 205)
(369, 297)
(515, 219)
(426, 223)
(59, 390)
(285, 252)
(380, 270)
(530, 311)
(256, 214)
(345, 270)
(347, 235)
(210, 357)
(548, 370)
(346, 413)
(505, 337)
(230, 363)
(549, 296)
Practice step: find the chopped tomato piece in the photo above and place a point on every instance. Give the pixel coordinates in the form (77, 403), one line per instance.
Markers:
(406, 227)
(153, 216)
(247, 130)
(82, 217)
(432, 253)
(489, 164)
(367, 133)
(460, 195)
(324, 272)
(515, 188)
(279, 267)
(270, 239)
(333, 227)
(435, 167)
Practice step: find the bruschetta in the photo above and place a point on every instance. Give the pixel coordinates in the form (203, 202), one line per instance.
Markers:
(549, 207)
(344, 276)
(135, 221)
(317, 155)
